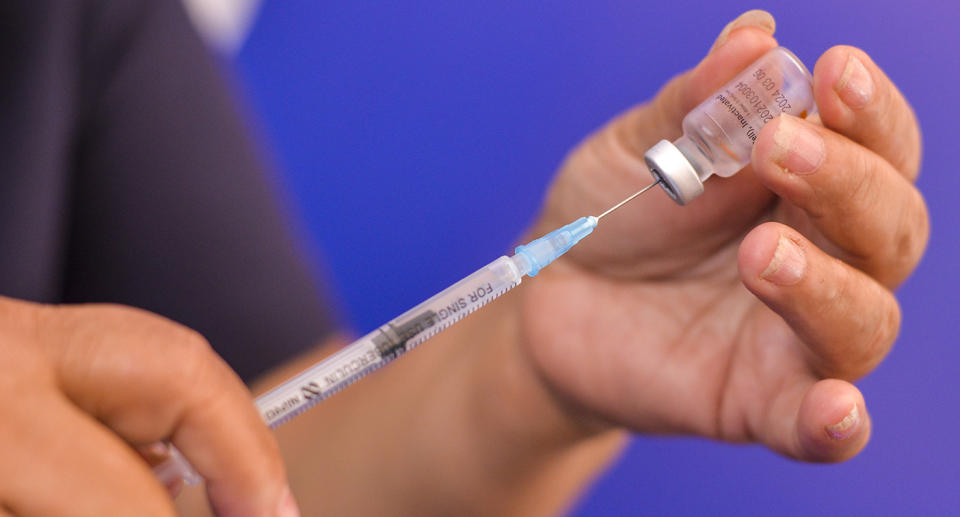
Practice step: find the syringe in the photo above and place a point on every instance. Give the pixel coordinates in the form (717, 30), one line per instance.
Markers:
(405, 332)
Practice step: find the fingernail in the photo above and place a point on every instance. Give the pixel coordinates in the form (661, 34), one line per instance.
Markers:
(855, 86)
(846, 426)
(797, 148)
(787, 265)
(288, 506)
(755, 18)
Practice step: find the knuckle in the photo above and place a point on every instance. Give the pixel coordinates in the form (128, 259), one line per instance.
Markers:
(188, 344)
(910, 240)
(206, 380)
(885, 333)
(192, 344)
(860, 189)
(850, 194)
(878, 340)
(870, 325)
(907, 241)
(167, 348)
(193, 354)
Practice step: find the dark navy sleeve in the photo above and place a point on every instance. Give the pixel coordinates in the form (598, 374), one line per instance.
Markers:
(171, 207)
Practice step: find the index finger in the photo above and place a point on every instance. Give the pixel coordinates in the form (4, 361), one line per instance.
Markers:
(149, 379)
(856, 98)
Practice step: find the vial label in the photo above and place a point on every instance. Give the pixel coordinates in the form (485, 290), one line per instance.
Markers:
(766, 102)
(719, 133)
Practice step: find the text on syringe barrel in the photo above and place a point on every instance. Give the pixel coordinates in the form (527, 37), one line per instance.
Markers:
(386, 343)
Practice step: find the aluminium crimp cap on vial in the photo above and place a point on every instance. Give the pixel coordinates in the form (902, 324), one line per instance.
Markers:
(675, 173)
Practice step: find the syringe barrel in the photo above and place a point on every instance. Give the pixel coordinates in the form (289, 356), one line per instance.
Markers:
(384, 344)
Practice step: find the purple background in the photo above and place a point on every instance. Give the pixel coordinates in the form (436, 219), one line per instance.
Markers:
(394, 120)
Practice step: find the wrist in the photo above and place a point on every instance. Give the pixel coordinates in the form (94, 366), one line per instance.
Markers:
(511, 398)
(537, 448)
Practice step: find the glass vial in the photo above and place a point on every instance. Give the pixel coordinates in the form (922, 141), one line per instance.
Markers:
(719, 134)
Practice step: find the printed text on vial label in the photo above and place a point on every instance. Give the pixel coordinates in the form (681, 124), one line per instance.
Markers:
(763, 98)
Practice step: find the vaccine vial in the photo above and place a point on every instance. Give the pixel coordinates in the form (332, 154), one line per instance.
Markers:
(719, 133)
